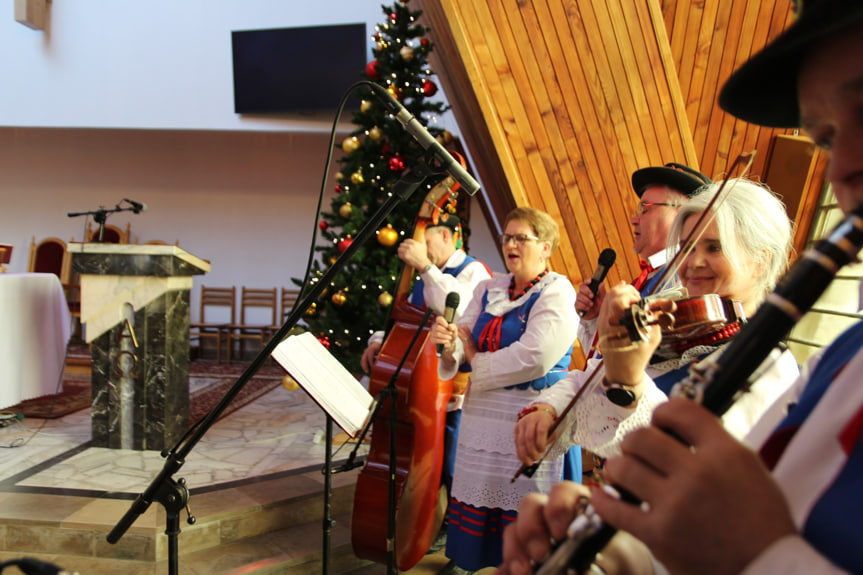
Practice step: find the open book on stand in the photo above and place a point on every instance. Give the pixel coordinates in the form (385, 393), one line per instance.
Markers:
(333, 387)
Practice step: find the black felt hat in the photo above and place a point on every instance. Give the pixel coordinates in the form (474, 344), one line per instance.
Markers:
(764, 90)
(676, 176)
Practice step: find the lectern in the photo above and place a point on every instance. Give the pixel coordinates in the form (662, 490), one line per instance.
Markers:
(135, 309)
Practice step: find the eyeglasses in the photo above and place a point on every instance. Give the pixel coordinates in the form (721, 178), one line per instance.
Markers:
(644, 207)
(519, 239)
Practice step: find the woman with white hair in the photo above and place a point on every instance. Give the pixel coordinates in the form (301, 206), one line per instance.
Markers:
(739, 256)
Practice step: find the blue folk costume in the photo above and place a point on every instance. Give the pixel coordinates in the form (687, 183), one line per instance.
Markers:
(484, 500)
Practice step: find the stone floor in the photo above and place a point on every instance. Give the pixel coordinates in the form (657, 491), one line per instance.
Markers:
(53, 484)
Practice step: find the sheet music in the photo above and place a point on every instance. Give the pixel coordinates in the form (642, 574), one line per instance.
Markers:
(333, 387)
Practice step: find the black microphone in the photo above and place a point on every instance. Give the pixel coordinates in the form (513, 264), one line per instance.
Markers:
(606, 260)
(427, 141)
(452, 300)
(137, 207)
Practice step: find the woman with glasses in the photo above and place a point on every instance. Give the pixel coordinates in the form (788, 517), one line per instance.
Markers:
(517, 335)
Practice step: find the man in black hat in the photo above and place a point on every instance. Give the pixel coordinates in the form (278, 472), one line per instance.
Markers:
(661, 190)
(712, 504)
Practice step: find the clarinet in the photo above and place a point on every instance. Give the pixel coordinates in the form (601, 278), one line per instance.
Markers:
(717, 385)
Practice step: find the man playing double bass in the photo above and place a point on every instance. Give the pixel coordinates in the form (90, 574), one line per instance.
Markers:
(444, 268)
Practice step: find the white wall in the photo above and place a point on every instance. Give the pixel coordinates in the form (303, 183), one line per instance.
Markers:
(134, 99)
(147, 64)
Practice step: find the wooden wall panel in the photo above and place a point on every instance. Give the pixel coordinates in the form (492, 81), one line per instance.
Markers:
(559, 101)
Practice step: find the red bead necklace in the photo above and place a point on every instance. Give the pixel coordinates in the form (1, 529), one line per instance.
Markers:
(532, 283)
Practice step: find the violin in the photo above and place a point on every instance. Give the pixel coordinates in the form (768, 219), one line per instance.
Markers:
(684, 323)
(420, 419)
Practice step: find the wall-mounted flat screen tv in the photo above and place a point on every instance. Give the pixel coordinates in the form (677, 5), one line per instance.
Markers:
(297, 70)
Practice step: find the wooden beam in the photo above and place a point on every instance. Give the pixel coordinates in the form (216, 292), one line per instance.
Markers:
(31, 13)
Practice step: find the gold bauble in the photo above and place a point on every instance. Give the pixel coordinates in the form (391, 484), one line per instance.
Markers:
(445, 138)
(340, 177)
(385, 299)
(311, 310)
(346, 209)
(351, 144)
(375, 133)
(395, 92)
(290, 383)
(366, 105)
(357, 177)
(339, 298)
(387, 236)
(407, 53)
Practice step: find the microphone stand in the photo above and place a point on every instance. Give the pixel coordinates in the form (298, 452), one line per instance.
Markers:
(174, 495)
(101, 215)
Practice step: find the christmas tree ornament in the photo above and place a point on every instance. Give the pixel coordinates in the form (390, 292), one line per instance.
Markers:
(338, 189)
(375, 133)
(333, 259)
(372, 70)
(289, 383)
(345, 244)
(424, 42)
(325, 341)
(346, 210)
(397, 164)
(387, 236)
(351, 144)
(357, 177)
(429, 88)
(394, 17)
(339, 298)
(407, 53)
(340, 176)
(323, 225)
(395, 92)
(366, 106)
(385, 299)
(311, 310)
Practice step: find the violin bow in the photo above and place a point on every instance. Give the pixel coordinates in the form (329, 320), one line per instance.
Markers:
(701, 224)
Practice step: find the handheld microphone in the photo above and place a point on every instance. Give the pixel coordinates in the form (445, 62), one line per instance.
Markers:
(137, 207)
(452, 301)
(606, 260)
(426, 140)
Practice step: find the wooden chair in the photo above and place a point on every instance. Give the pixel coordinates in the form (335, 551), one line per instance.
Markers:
(51, 257)
(288, 299)
(5, 256)
(258, 302)
(215, 297)
(111, 235)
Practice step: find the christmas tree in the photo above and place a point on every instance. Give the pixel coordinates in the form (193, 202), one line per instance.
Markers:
(377, 154)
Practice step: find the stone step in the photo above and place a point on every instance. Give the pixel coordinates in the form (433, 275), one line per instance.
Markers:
(277, 522)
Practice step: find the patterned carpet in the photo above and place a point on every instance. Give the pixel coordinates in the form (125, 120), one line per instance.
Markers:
(208, 383)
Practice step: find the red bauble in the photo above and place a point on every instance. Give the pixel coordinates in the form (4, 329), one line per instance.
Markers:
(386, 149)
(323, 225)
(325, 341)
(394, 17)
(424, 42)
(339, 189)
(429, 88)
(372, 70)
(397, 164)
(345, 244)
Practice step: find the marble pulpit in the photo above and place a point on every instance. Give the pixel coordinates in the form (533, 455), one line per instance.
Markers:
(135, 309)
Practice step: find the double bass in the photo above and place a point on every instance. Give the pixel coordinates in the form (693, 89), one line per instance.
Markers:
(421, 408)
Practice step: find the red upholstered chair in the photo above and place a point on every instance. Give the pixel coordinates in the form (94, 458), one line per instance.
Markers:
(110, 235)
(214, 298)
(260, 303)
(49, 256)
